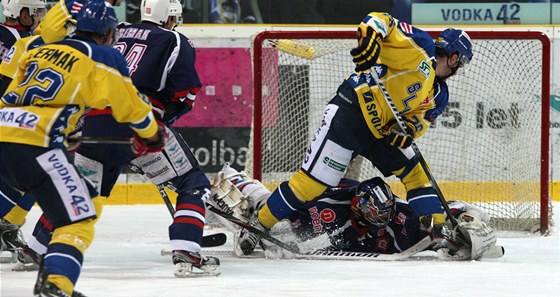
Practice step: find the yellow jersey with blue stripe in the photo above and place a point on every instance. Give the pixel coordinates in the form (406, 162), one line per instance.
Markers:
(57, 83)
(406, 66)
(60, 20)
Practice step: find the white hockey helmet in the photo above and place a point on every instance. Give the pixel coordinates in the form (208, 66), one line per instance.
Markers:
(12, 8)
(157, 11)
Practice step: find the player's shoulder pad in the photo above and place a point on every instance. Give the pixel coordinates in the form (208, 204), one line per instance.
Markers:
(112, 58)
(185, 40)
(74, 6)
(102, 54)
(420, 37)
(20, 47)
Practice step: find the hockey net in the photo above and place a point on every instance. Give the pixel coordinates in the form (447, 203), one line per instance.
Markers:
(490, 147)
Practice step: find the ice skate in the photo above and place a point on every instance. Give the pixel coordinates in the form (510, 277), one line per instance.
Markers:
(44, 288)
(28, 260)
(189, 264)
(10, 237)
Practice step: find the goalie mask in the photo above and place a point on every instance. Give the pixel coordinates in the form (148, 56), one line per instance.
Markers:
(374, 202)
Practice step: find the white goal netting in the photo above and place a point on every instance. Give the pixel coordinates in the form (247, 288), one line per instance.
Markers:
(487, 148)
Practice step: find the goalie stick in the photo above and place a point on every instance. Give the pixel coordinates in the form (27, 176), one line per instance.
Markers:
(337, 255)
(494, 252)
(264, 235)
(212, 240)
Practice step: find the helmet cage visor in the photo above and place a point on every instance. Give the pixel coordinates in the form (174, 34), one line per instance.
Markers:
(378, 213)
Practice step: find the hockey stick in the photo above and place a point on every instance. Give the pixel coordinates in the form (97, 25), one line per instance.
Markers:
(423, 163)
(160, 188)
(106, 140)
(211, 240)
(289, 247)
(264, 235)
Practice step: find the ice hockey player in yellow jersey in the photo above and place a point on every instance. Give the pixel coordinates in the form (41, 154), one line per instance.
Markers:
(358, 121)
(54, 86)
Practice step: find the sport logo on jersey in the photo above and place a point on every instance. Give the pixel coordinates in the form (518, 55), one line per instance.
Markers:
(424, 68)
(327, 215)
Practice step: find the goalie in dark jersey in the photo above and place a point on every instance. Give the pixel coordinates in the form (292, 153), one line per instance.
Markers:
(356, 216)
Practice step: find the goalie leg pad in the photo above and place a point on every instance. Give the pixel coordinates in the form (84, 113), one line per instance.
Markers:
(237, 194)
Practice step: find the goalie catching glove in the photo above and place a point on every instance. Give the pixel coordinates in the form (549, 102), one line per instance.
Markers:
(469, 240)
(369, 46)
(142, 146)
(394, 135)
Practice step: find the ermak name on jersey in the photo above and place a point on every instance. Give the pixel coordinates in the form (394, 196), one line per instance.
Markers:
(58, 57)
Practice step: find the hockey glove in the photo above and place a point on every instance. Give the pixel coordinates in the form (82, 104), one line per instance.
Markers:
(440, 234)
(142, 146)
(394, 135)
(73, 141)
(367, 52)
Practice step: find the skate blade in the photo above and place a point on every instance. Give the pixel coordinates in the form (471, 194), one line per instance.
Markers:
(8, 257)
(25, 267)
(183, 270)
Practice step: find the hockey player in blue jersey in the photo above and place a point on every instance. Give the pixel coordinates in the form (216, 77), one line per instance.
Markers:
(162, 66)
(357, 216)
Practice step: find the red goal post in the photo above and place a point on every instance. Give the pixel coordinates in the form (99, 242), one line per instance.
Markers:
(490, 147)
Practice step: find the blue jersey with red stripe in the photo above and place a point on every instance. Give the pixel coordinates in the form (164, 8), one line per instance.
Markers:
(330, 213)
(162, 66)
(8, 36)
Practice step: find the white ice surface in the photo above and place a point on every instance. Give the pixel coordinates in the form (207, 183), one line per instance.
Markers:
(125, 260)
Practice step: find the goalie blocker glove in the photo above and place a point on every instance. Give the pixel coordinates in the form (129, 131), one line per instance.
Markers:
(369, 46)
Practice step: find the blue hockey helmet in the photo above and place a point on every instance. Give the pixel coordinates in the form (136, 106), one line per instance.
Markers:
(374, 202)
(96, 17)
(456, 41)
